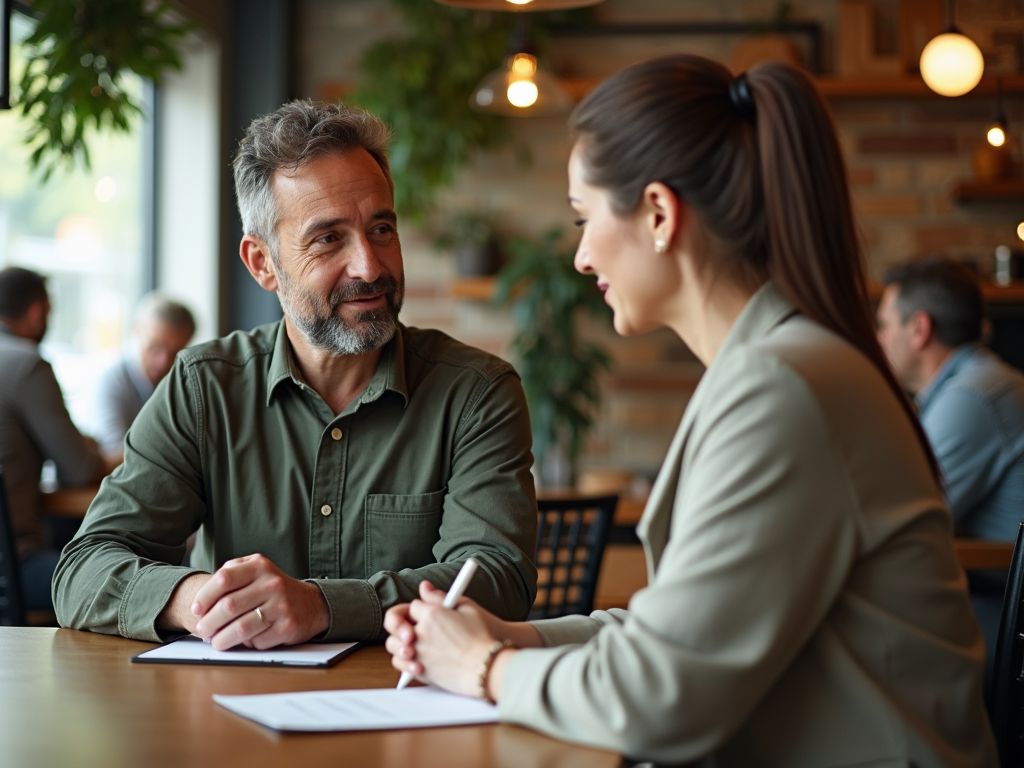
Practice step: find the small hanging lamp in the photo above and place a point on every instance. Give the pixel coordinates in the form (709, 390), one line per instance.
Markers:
(520, 5)
(520, 88)
(951, 63)
(996, 132)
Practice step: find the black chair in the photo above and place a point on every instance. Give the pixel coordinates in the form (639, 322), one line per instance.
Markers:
(571, 538)
(12, 607)
(1006, 693)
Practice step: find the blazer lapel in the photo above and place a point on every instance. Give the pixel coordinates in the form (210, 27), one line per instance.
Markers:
(766, 309)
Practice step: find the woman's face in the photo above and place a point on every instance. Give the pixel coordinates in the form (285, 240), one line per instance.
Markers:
(619, 251)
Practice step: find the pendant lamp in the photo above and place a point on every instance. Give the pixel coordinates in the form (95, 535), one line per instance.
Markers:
(951, 63)
(520, 5)
(996, 132)
(520, 88)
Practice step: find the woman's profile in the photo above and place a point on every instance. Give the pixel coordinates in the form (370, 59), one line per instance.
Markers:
(805, 606)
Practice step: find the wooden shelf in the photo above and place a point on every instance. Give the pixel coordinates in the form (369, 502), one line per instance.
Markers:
(853, 87)
(474, 288)
(982, 191)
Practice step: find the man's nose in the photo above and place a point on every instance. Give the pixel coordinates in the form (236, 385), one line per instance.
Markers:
(364, 263)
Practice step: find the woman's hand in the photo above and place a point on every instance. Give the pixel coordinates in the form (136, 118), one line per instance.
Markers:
(439, 645)
(445, 646)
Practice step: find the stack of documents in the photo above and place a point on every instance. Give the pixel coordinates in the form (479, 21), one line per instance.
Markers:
(360, 710)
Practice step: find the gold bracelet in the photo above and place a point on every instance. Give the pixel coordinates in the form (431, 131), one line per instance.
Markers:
(485, 668)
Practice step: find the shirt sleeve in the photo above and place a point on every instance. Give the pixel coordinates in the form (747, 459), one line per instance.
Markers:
(115, 576)
(490, 513)
(725, 614)
(47, 420)
(964, 433)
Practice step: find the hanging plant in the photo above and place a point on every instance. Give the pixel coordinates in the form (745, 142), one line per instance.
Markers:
(558, 368)
(76, 61)
(420, 85)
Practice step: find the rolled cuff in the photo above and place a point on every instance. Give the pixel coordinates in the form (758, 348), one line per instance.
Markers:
(145, 597)
(354, 607)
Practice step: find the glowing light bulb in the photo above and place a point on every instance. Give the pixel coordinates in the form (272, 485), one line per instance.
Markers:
(996, 136)
(524, 64)
(951, 64)
(1020, 230)
(522, 93)
(519, 2)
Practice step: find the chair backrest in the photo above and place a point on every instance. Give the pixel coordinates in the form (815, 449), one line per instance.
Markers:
(12, 609)
(571, 536)
(1006, 693)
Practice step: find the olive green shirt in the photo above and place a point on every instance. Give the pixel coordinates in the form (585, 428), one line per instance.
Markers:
(429, 465)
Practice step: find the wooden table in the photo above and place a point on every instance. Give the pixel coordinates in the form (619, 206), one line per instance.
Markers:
(72, 698)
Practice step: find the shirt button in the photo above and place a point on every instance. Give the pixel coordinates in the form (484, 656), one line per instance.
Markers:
(325, 510)
(336, 433)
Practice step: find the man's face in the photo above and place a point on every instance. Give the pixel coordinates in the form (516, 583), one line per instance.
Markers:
(339, 264)
(38, 318)
(897, 338)
(159, 343)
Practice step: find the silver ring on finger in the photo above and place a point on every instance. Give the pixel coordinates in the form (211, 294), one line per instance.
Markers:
(259, 613)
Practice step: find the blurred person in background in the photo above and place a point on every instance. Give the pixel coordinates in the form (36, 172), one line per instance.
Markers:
(162, 329)
(971, 407)
(34, 426)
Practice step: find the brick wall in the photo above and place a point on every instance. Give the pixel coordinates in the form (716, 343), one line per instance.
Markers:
(904, 155)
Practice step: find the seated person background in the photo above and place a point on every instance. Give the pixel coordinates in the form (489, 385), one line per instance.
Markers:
(34, 426)
(971, 402)
(162, 329)
(331, 461)
(971, 407)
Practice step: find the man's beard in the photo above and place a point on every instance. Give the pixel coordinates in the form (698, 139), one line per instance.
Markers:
(325, 329)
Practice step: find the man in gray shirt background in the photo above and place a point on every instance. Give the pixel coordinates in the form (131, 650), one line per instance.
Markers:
(162, 329)
(34, 426)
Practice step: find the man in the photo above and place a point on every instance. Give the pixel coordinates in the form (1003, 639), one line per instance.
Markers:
(34, 426)
(331, 461)
(971, 403)
(162, 329)
(971, 407)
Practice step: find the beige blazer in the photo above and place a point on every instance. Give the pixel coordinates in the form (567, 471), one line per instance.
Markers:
(805, 605)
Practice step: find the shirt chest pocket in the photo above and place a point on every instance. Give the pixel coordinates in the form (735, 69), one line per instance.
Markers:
(401, 530)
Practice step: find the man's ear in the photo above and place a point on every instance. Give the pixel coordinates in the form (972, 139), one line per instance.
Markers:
(922, 330)
(255, 254)
(664, 213)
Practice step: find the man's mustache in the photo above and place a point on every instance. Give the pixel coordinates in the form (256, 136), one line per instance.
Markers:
(360, 289)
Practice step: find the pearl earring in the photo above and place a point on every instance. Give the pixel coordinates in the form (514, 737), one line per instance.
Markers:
(660, 246)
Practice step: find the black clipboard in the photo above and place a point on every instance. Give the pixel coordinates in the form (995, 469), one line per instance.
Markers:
(195, 651)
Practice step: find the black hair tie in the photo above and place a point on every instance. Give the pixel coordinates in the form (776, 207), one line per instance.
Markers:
(741, 98)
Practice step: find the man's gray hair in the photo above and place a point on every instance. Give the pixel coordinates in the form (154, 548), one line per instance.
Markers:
(156, 306)
(289, 138)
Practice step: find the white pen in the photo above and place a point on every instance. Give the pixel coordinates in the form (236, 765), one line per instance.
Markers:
(458, 587)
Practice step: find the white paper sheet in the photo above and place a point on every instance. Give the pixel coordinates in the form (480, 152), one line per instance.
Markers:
(193, 650)
(360, 710)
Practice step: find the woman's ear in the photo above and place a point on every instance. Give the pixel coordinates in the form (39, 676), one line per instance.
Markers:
(664, 215)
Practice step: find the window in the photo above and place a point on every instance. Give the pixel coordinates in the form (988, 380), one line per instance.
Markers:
(83, 230)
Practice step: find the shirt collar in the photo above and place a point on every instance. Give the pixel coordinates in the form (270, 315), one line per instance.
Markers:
(949, 368)
(389, 376)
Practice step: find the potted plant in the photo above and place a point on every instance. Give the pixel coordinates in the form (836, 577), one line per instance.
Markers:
(471, 235)
(559, 369)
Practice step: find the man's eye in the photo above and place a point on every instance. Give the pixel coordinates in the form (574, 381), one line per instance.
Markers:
(328, 238)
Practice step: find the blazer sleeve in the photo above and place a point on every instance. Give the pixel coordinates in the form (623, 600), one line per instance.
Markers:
(763, 534)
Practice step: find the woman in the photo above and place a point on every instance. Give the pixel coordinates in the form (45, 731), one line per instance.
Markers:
(805, 605)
